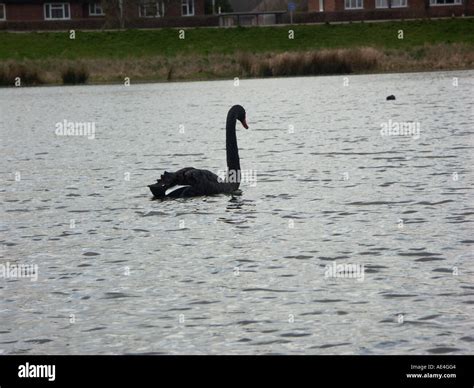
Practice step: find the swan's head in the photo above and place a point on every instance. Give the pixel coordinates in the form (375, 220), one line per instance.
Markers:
(240, 115)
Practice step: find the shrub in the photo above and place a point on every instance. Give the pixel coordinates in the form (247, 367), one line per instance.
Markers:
(74, 75)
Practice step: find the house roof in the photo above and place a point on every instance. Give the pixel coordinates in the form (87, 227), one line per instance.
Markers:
(273, 5)
(244, 5)
(266, 5)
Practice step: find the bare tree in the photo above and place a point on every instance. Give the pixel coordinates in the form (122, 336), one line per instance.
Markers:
(118, 12)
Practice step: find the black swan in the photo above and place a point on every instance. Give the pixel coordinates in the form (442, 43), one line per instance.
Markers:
(191, 182)
(391, 97)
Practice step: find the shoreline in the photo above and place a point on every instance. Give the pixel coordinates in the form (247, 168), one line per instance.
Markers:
(242, 65)
(224, 79)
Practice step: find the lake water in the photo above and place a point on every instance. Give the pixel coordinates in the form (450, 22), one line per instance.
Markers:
(119, 273)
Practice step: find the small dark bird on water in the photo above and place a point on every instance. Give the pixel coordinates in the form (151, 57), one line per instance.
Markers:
(391, 97)
(192, 182)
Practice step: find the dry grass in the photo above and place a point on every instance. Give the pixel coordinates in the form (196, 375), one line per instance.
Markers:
(20, 74)
(429, 57)
(340, 61)
(244, 64)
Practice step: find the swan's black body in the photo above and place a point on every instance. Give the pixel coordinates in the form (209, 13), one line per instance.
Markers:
(191, 182)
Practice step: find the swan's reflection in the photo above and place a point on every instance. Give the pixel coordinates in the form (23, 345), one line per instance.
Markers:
(239, 210)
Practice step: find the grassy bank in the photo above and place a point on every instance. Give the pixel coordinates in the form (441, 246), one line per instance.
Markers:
(211, 53)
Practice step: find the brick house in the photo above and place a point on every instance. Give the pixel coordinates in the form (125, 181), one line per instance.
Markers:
(371, 5)
(98, 14)
(64, 10)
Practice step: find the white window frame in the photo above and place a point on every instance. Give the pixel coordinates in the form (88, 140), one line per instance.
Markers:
(95, 9)
(64, 7)
(434, 3)
(402, 4)
(2, 6)
(188, 4)
(351, 3)
(159, 11)
(380, 4)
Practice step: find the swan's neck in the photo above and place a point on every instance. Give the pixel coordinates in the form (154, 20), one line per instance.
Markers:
(233, 161)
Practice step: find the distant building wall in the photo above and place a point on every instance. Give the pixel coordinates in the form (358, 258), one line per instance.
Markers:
(24, 15)
(20, 12)
(29, 12)
(368, 5)
(79, 9)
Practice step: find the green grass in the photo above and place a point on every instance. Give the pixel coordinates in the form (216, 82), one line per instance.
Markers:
(223, 53)
(203, 41)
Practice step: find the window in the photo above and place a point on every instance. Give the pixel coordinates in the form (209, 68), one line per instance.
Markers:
(56, 11)
(95, 9)
(3, 15)
(187, 7)
(151, 9)
(394, 3)
(353, 4)
(399, 3)
(445, 2)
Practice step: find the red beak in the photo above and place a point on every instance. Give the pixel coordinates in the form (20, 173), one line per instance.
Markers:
(244, 123)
